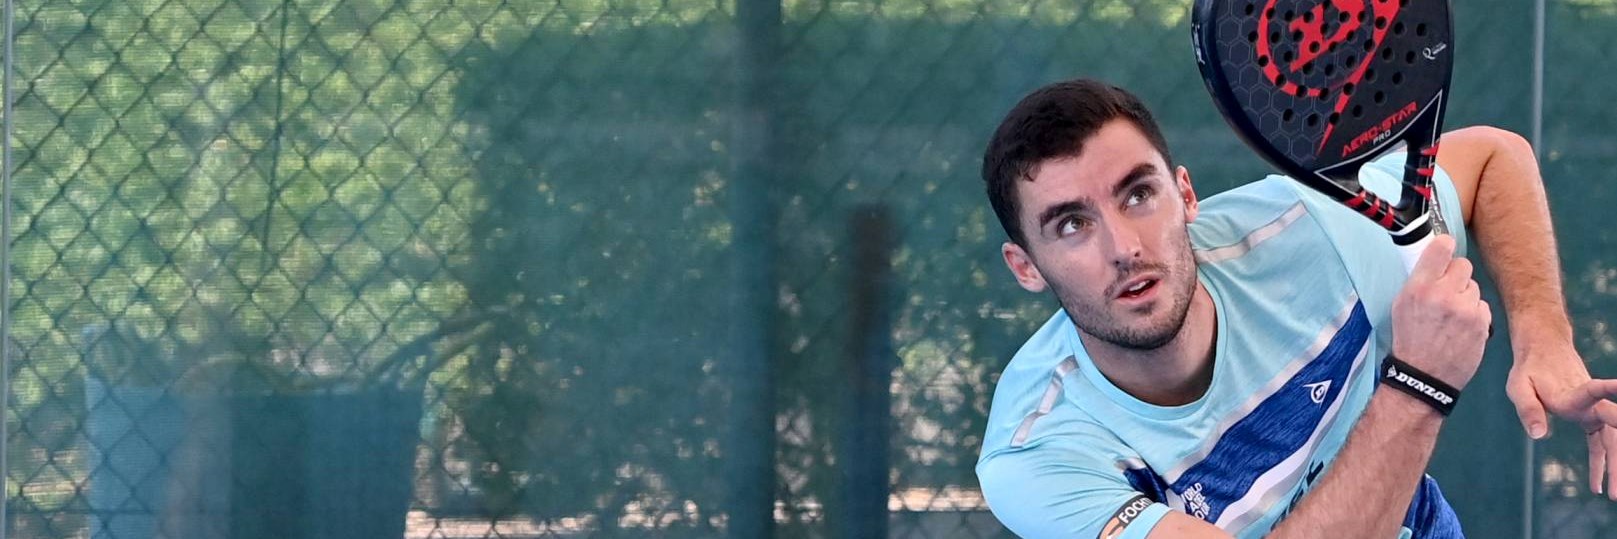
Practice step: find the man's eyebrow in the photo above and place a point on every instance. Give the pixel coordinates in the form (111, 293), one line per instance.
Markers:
(1140, 172)
(1062, 208)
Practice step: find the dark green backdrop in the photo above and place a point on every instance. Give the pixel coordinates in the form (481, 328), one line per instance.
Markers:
(509, 268)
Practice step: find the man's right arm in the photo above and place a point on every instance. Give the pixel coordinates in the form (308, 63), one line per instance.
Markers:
(1375, 475)
(1439, 327)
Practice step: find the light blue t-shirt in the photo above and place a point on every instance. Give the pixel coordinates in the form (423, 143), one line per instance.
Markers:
(1303, 288)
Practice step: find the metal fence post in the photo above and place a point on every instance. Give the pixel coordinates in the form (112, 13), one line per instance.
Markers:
(868, 367)
(5, 282)
(1529, 458)
(750, 459)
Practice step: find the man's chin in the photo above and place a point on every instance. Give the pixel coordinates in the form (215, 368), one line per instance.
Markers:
(1148, 326)
(1140, 338)
(1149, 342)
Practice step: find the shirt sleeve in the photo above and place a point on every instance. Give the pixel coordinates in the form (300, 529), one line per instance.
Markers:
(1065, 488)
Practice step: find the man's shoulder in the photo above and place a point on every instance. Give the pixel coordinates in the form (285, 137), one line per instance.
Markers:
(1046, 357)
(1230, 216)
(1030, 406)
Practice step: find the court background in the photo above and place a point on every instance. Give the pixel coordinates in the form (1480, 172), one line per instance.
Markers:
(480, 268)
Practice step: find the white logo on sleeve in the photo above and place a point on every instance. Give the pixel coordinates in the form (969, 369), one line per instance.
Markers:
(1317, 390)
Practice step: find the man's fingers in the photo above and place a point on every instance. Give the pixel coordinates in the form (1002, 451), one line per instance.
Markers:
(1434, 259)
(1610, 443)
(1458, 272)
(1593, 392)
(1597, 459)
(1606, 412)
(1602, 388)
(1528, 408)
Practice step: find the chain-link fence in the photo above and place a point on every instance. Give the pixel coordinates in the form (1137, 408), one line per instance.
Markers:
(500, 268)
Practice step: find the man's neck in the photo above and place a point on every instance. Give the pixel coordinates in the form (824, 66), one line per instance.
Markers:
(1175, 374)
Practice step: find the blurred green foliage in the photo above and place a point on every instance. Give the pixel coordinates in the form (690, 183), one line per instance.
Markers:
(524, 206)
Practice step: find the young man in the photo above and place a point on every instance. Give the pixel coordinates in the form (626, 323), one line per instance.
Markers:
(1213, 369)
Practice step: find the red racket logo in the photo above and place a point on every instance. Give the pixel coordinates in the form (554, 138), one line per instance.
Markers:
(1329, 32)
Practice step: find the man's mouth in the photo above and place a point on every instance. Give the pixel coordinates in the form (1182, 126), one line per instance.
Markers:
(1138, 289)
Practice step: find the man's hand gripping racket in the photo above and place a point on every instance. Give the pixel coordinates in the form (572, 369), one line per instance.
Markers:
(1321, 87)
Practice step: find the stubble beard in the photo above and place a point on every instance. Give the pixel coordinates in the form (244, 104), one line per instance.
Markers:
(1100, 321)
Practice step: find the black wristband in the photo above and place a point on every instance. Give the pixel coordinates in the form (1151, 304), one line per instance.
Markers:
(1424, 387)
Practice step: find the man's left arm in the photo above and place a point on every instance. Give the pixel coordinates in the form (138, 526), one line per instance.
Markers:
(1502, 198)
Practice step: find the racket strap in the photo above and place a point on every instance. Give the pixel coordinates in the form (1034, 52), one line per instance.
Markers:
(1424, 387)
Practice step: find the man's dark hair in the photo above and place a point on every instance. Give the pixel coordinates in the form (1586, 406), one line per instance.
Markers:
(1052, 123)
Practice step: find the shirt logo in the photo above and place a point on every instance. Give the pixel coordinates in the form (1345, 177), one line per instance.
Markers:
(1124, 516)
(1435, 393)
(1195, 502)
(1317, 390)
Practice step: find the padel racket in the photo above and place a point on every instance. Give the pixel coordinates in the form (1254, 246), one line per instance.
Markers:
(1321, 87)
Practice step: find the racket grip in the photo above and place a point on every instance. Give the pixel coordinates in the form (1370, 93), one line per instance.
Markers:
(1411, 253)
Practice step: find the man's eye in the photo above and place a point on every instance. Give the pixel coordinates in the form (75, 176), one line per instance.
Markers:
(1139, 195)
(1070, 226)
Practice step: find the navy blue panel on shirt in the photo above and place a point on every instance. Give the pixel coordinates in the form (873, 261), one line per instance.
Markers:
(1279, 427)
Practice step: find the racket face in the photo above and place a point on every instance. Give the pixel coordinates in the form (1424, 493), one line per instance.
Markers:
(1320, 86)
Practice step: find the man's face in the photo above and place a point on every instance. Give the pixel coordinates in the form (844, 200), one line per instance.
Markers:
(1106, 232)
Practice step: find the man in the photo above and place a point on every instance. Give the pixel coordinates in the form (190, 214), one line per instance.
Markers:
(1213, 369)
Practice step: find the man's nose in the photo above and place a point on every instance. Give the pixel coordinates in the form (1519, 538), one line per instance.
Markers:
(1125, 243)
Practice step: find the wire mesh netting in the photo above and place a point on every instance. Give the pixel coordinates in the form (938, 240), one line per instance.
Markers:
(484, 268)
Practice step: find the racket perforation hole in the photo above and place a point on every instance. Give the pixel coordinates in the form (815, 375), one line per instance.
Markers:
(1398, 28)
(1312, 120)
(1420, 29)
(1381, 23)
(1343, 17)
(1290, 15)
(1358, 111)
(1347, 89)
(1334, 118)
(1287, 57)
(1251, 8)
(1313, 47)
(1308, 68)
(1308, 16)
(1287, 115)
(1369, 46)
(1263, 61)
(1330, 69)
(1409, 57)
(1386, 53)
(1369, 74)
(1252, 37)
(1397, 78)
(1380, 97)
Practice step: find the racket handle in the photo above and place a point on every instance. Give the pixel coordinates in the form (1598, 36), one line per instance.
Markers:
(1411, 253)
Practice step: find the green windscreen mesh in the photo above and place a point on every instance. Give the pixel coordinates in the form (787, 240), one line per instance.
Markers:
(603, 268)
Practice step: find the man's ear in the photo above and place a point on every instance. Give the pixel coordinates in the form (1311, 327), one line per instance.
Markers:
(1021, 264)
(1186, 192)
